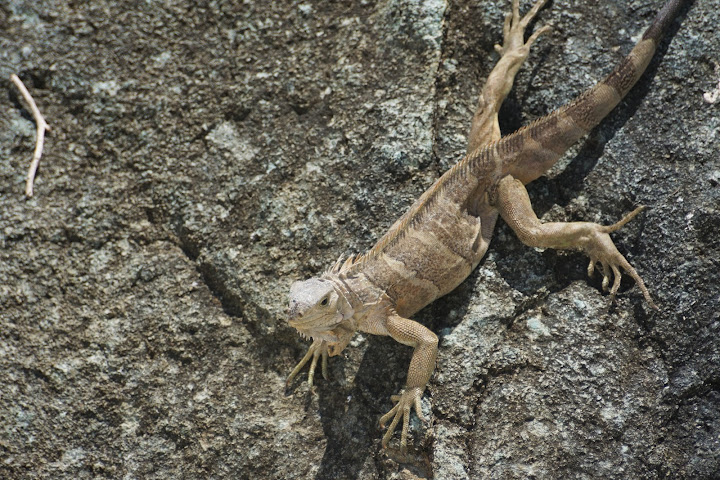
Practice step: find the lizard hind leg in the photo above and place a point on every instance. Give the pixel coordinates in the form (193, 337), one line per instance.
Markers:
(512, 201)
(514, 50)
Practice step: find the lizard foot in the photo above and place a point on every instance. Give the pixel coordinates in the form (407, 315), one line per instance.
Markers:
(514, 30)
(513, 52)
(513, 203)
(601, 249)
(318, 349)
(403, 405)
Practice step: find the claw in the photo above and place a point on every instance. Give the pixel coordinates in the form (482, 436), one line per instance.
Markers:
(318, 349)
(616, 282)
(514, 28)
(613, 262)
(606, 276)
(404, 404)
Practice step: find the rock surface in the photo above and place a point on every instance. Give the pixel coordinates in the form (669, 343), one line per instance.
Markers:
(202, 157)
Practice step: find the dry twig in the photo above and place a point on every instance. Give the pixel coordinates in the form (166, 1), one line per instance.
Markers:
(42, 126)
(714, 96)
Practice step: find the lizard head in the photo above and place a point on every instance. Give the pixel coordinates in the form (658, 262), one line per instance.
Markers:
(316, 308)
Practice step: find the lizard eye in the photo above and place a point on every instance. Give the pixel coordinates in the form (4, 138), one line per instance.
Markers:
(324, 301)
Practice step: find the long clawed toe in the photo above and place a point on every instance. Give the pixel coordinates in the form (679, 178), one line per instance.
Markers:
(618, 225)
(612, 268)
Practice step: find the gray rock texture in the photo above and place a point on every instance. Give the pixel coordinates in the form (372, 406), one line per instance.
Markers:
(203, 155)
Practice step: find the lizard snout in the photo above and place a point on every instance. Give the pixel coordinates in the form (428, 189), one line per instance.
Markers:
(294, 313)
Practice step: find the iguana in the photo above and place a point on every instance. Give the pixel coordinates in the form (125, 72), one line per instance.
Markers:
(433, 247)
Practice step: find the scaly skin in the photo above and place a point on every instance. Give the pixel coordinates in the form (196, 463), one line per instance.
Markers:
(441, 239)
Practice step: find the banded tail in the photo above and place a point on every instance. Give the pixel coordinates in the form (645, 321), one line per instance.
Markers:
(532, 150)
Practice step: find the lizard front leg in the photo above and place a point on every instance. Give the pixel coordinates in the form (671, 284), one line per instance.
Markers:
(321, 350)
(422, 365)
(513, 203)
(514, 51)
